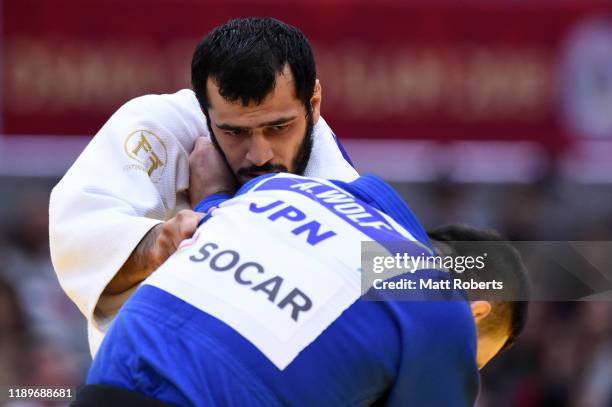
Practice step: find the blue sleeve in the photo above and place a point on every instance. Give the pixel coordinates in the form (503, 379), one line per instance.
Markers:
(211, 201)
(438, 363)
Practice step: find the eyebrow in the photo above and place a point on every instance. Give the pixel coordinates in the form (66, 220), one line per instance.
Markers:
(277, 122)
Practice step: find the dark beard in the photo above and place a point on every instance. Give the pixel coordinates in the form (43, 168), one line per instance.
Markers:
(299, 163)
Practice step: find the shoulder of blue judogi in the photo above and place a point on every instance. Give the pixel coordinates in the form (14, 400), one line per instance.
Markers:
(376, 192)
(369, 188)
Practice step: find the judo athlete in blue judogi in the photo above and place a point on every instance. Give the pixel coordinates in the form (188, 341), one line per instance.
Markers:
(263, 307)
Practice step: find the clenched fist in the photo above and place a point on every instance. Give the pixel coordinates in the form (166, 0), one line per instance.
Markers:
(171, 233)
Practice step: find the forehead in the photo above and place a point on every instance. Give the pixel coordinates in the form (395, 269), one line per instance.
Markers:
(280, 102)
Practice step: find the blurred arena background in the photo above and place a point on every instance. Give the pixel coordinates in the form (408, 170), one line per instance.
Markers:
(494, 113)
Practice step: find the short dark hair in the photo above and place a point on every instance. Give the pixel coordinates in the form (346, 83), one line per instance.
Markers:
(245, 55)
(503, 263)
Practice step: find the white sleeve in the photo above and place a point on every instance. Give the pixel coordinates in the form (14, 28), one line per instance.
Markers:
(125, 182)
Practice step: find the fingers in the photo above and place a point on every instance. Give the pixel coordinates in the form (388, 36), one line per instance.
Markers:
(174, 231)
(202, 142)
(187, 223)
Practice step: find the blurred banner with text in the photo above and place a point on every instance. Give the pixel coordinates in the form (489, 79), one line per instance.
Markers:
(539, 71)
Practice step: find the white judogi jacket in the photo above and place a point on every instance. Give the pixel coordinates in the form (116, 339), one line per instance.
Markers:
(133, 175)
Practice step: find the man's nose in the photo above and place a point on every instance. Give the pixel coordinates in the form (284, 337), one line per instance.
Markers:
(260, 150)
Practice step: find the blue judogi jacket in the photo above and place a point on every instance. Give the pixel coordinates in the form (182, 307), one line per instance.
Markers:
(172, 341)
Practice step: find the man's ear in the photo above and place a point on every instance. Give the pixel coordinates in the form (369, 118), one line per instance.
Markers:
(315, 102)
(480, 309)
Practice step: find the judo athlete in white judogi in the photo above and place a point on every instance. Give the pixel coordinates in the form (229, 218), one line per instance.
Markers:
(124, 205)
